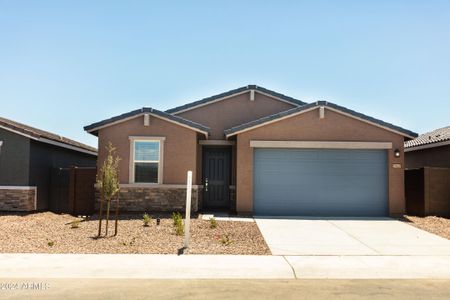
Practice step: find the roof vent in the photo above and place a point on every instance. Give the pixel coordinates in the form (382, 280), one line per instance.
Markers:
(252, 95)
(322, 112)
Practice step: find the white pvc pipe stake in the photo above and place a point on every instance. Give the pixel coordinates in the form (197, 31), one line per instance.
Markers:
(188, 209)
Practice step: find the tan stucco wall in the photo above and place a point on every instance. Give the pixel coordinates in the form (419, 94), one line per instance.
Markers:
(234, 111)
(180, 147)
(308, 127)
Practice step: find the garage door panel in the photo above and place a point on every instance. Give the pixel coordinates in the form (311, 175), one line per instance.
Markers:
(320, 182)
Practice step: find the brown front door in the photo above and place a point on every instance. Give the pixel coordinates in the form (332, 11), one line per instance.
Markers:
(216, 177)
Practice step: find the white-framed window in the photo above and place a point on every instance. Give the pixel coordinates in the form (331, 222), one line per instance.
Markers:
(146, 159)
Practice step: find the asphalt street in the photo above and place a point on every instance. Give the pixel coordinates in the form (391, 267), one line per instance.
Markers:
(222, 289)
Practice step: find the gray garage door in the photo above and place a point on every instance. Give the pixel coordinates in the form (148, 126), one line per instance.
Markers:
(313, 182)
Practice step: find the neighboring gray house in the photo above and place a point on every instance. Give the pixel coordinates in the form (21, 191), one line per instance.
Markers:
(27, 157)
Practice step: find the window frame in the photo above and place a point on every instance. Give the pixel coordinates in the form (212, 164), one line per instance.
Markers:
(133, 140)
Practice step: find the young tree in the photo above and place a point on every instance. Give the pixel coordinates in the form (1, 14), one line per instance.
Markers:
(108, 182)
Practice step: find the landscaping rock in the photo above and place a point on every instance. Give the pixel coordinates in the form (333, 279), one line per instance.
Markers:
(52, 233)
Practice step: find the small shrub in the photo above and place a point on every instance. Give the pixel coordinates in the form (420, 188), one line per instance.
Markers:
(130, 243)
(176, 218)
(179, 229)
(225, 240)
(178, 223)
(212, 223)
(51, 244)
(147, 219)
(75, 224)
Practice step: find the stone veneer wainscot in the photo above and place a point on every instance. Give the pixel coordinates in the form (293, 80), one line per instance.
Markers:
(18, 198)
(157, 198)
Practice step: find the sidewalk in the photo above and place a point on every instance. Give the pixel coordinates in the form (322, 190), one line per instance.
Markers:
(143, 266)
(222, 266)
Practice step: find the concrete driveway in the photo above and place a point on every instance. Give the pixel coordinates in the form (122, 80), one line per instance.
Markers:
(345, 236)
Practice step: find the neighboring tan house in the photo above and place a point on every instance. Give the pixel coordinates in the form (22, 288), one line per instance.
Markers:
(27, 157)
(431, 149)
(427, 160)
(256, 151)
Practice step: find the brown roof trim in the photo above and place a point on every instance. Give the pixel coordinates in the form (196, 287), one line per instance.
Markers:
(235, 92)
(93, 128)
(45, 136)
(312, 106)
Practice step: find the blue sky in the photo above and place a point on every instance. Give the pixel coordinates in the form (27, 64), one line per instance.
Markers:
(66, 64)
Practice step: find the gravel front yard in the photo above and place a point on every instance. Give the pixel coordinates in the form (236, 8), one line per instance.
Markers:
(49, 233)
(436, 225)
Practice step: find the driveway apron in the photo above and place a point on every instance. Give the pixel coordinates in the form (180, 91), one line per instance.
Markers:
(348, 236)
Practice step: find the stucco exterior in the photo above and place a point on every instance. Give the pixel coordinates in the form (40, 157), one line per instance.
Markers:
(179, 154)
(431, 157)
(428, 191)
(234, 111)
(15, 155)
(26, 165)
(184, 148)
(309, 127)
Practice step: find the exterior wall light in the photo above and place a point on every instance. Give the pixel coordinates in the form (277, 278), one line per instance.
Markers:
(397, 153)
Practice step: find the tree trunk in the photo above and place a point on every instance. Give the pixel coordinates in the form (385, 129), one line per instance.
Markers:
(108, 203)
(117, 214)
(100, 214)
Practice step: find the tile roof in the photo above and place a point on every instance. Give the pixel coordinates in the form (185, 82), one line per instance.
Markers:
(93, 127)
(236, 129)
(38, 134)
(232, 92)
(432, 137)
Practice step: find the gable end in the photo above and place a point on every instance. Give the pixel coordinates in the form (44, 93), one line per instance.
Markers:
(242, 90)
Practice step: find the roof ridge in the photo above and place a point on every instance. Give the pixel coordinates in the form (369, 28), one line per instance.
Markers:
(26, 127)
(193, 104)
(33, 131)
(431, 137)
(434, 130)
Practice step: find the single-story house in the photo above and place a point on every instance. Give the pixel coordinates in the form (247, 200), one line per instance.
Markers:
(256, 151)
(431, 149)
(27, 157)
(427, 177)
